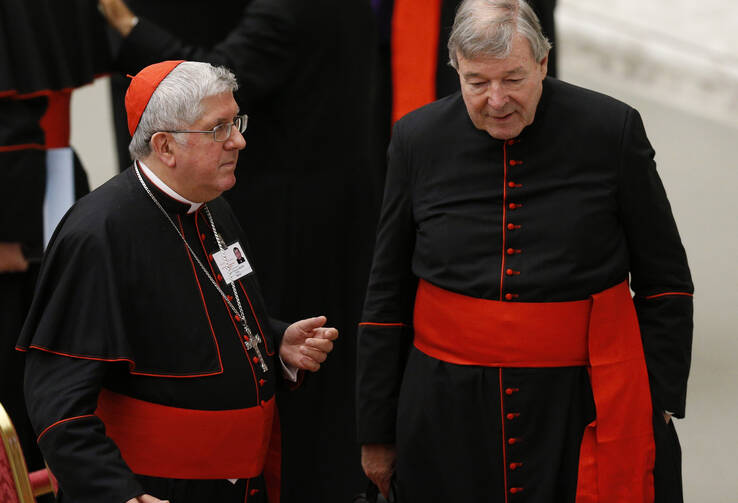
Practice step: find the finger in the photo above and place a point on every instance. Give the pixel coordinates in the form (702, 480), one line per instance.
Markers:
(310, 324)
(307, 363)
(315, 354)
(329, 333)
(322, 345)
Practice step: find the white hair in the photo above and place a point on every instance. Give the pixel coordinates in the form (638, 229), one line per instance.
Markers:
(177, 101)
(488, 27)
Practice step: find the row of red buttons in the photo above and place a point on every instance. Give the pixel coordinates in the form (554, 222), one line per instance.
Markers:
(510, 416)
(511, 226)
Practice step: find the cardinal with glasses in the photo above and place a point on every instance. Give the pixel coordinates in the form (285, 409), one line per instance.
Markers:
(151, 362)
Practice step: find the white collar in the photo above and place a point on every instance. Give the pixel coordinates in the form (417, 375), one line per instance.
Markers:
(167, 189)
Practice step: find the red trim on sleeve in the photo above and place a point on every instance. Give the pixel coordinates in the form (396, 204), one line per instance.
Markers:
(366, 323)
(685, 294)
(60, 422)
(24, 146)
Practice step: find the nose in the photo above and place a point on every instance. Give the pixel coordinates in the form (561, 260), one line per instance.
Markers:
(496, 96)
(236, 140)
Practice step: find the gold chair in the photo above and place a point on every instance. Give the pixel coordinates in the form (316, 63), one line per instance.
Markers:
(16, 484)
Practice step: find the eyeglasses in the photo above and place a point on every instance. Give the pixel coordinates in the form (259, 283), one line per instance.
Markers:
(222, 132)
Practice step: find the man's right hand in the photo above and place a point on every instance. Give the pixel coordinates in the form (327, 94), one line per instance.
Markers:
(378, 462)
(145, 498)
(11, 258)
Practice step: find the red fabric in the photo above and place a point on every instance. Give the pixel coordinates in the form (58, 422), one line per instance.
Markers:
(141, 88)
(415, 32)
(55, 122)
(617, 454)
(161, 441)
(42, 482)
(8, 492)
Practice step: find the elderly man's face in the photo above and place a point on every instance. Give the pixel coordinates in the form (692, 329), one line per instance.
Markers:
(501, 95)
(206, 168)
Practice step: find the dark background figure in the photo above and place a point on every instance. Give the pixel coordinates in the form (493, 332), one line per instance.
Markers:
(312, 165)
(47, 49)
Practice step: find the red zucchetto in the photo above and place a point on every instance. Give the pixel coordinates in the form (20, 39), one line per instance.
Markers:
(141, 88)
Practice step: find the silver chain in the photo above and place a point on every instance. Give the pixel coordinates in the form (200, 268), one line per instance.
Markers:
(253, 340)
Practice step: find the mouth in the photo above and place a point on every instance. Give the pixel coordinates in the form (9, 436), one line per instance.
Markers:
(501, 118)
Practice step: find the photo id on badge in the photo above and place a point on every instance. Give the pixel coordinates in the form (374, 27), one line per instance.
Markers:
(232, 262)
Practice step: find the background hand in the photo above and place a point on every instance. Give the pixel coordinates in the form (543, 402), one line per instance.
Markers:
(145, 498)
(118, 15)
(11, 258)
(306, 343)
(378, 462)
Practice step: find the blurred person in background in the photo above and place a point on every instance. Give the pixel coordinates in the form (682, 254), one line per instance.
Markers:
(47, 49)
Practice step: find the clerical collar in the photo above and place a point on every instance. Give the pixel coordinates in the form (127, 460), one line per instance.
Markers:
(167, 189)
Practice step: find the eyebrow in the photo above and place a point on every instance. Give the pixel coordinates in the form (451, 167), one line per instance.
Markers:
(476, 75)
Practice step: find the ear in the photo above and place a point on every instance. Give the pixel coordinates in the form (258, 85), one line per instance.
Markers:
(544, 66)
(162, 145)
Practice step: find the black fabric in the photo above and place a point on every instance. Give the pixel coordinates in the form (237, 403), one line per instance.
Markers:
(120, 293)
(590, 211)
(308, 191)
(50, 45)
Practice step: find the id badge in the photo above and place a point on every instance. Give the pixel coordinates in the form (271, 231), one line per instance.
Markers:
(232, 263)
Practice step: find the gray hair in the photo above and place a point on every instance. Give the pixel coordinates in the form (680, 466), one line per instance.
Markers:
(177, 101)
(487, 28)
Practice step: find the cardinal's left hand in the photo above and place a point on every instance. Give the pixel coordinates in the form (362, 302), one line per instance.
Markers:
(306, 343)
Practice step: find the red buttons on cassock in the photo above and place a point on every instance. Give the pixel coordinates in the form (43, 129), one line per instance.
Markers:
(516, 490)
(514, 185)
(230, 297)
(515, 163)
(256, 360)
(253, 491)
(511, 296)
(515, 466)
(512, 415)
(513, 440)
(219, 277)
(513, 251)
(510, 142)
(510, 391)
(511, 227)
(512, 272)
(514, 206)
(202, 237)
(210, 257)
(261, 382)
(237, 318)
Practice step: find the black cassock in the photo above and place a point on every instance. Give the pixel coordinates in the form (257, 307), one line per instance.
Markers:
(308, 191)
(571, 207)
(122, 306)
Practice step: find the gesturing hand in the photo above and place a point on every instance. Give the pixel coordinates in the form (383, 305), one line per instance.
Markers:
(145, 498)
(306, 343)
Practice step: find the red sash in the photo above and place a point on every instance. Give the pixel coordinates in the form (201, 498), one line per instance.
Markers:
(161, 441)
(617, 453)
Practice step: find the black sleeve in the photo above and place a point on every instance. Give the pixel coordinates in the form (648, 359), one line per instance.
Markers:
(660, 274)
(61, 396)
(259, 50)
(385, 333)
